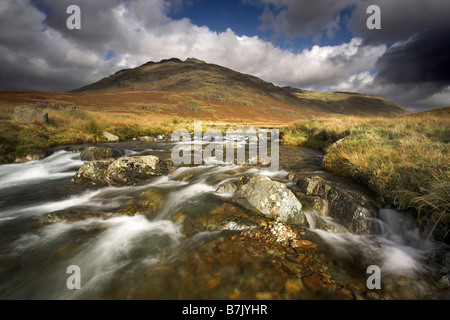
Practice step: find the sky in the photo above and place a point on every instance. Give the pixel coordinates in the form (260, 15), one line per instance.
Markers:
(321, 45)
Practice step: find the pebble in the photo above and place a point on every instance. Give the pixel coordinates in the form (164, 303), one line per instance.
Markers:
(264, 296)
(293, 286)
(313, 282)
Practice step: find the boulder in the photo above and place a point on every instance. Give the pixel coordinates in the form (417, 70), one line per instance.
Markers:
(28, 114)
(132, 170)
(93, 172)
(350, 208)
(111, 137)
(95, 153)
(124, 171)
(271, 199)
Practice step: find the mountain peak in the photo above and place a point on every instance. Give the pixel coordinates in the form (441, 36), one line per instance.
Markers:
(193, 60)
(176, 60)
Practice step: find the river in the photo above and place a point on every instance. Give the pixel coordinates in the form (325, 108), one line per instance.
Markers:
(175, 237)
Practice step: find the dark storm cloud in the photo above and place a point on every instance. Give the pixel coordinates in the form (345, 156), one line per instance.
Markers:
(425, 57)
(96, 21)
(400, 19)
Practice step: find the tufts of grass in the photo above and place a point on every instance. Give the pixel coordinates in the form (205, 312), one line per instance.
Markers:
(405, 159)
(68, 127)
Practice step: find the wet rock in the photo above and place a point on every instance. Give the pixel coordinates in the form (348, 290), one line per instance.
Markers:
(327, 224)
(350, 208)
(264, 296)
(124, 171)
(270, 199)
(293, 286)
(95, 153)
(150, 200)
(304, 245)
(127, 171)
(443, 283)
(313, 282)
(311, 202)
(282, 234)
(227, 187)
(146, 139)
(38, 155)
(111, 137)
(28, 114)
(225, 217)
(72, 215)
(93, 172)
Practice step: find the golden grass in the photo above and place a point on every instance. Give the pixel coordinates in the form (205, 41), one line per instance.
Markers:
(76, 127)
(404, 159)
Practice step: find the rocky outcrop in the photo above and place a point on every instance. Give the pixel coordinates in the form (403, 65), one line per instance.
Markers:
(350, 208)
(124, 171)
(53, 106)
(28, 114)
(93, 172)
(132, 170)
(270, 199)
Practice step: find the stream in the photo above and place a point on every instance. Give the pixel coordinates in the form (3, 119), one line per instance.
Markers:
(175, 237)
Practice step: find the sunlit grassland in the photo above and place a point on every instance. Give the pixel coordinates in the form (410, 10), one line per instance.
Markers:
(405, 160)
(71, 127)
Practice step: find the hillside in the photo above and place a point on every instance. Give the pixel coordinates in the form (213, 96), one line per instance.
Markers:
(210, 83)
(346, 102)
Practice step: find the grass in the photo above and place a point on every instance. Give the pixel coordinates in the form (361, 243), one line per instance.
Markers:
(404, 159)
(75, 127)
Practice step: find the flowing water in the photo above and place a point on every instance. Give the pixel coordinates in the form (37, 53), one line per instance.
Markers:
(160, 241)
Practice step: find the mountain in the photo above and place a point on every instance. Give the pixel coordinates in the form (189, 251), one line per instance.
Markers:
(346, 102)
(217, 86)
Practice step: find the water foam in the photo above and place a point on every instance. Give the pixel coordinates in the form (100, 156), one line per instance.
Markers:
(53, 167)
